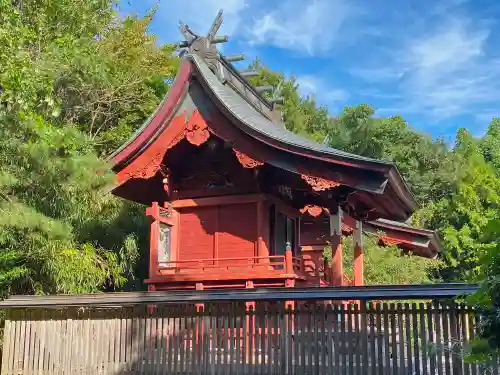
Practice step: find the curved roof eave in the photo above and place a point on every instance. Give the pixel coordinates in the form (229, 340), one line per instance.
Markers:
(434, 240)
(266, 130)
(148, 130)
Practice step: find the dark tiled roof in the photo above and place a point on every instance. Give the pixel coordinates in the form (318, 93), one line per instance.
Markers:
(253, 119)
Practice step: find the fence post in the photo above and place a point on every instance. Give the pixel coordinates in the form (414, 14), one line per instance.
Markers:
(288, 259)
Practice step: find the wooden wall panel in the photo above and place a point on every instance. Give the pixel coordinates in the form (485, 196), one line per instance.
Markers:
(237, 230)
(197, 228)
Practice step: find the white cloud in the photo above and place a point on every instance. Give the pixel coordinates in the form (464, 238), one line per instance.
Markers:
(309, 27)
(377, 74)
(313, 86)
(443, 72)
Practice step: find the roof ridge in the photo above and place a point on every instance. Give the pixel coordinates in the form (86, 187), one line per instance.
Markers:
(205, 48)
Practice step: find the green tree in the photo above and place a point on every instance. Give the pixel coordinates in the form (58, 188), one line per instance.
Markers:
(489, 145)
(463, 216)
(76, 80)
(386, 265)
(427, 166)
(301, 115)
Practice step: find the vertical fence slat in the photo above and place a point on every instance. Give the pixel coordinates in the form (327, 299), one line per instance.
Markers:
(227, 337)
(296, 341)
(357, 344)
(68, 359)
(33, 351)
(372, 357)
(472, 335)
(25, 332)
(7, 348)
(456, 341)
(262, 314)
(446, 337)
(423, 337)
(237, 323)
(188, 339)
(464, 318)
(170, 340)
(76, 355)
(311, 346)
(18, 344)
(245, 339)
(150, 340)
(302, 323)
(408, 338)
(351, 341)
(97, 355)
(85, 345)
(162, 355)
(439, 342)
(157, 340)
(401, 340)
(108, 342)
(224, 339)
(212, 335)
(366, 341)
(431, 339)
(279, 334)
(291, 326)
(287, 341)
(382, 333)
(342, 343)
(394, 340)
(58, 349)
(322, 338)
(333, 330)
(127, 337)
(175, 339)
(319, 345)
(115, 332)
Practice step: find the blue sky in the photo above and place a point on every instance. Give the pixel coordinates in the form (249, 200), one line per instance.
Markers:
(436, 63)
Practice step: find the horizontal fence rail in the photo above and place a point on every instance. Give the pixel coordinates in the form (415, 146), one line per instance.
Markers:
(398, 292)
(237, 338)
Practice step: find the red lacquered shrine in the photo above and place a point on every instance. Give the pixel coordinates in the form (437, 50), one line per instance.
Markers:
(232, 193)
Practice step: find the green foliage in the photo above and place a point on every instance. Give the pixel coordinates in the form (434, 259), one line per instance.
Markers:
(462, 217)
(488, 297)
(385, 265)
(489, 145)
(429, 168)
(50, 188)
(427, 165)
(76, 81)
(300, 114)
(105, 76)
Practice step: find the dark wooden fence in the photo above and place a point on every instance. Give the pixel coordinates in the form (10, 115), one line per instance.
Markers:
(313, 337)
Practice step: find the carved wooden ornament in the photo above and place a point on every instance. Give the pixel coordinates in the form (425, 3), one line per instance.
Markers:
(388, 241)
(318, 183)
(312, 210)
(196, 129)
(147, 170)
(246, 161)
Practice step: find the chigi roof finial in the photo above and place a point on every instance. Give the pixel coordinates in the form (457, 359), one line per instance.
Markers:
(263, 98)
(190, 36)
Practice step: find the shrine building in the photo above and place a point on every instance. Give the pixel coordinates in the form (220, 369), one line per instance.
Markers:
(238, 201)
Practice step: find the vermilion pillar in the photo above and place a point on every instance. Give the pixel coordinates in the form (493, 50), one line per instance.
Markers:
(336, 241)
(358, 254)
